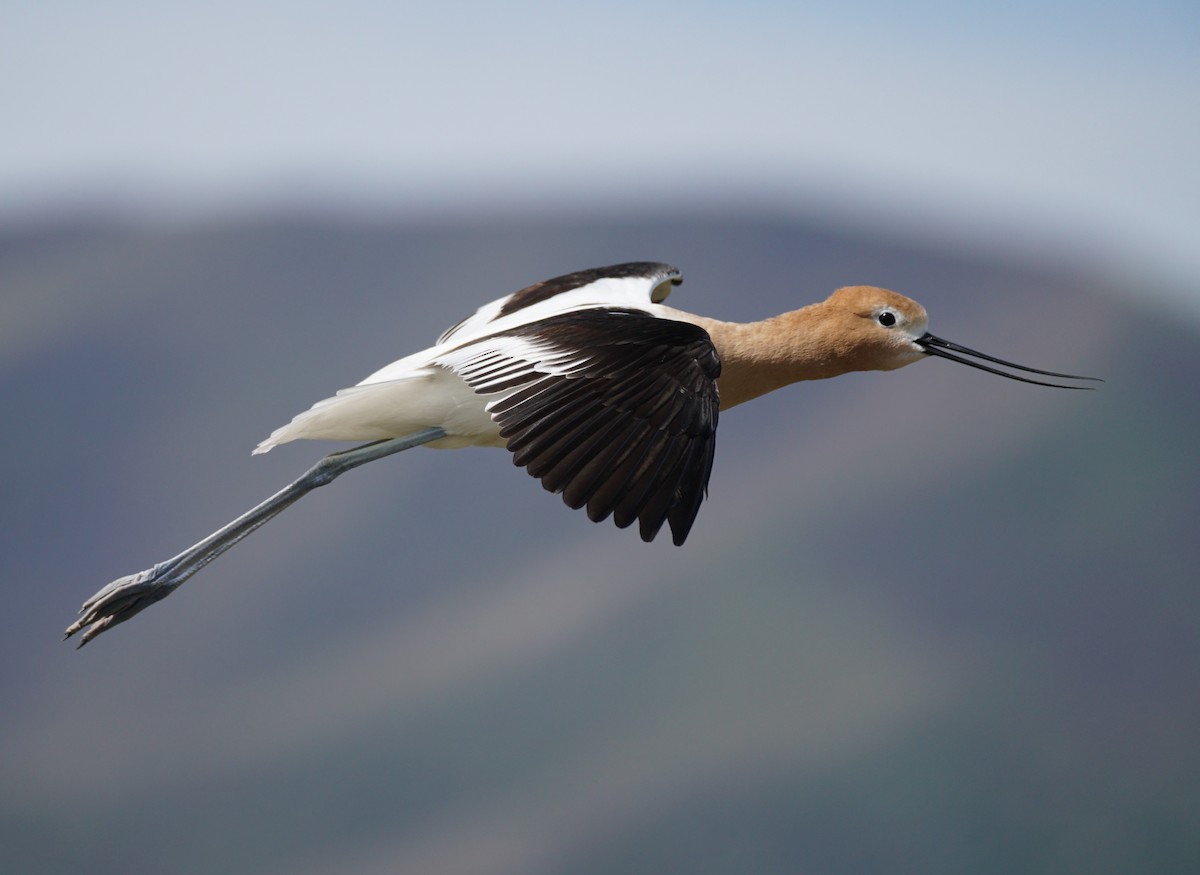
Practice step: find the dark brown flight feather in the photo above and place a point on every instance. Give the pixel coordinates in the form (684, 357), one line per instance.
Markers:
(630, 430)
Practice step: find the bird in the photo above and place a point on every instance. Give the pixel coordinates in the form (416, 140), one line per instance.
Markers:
(595, 386)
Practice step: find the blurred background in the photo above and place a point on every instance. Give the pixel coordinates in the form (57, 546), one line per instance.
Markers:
(927, 621)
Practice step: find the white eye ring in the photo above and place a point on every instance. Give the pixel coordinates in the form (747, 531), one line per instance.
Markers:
(886, 318)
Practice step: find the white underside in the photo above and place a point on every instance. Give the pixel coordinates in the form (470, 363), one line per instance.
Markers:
(375, 411)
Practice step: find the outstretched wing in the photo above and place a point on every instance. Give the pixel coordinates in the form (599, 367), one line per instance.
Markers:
(616, 409)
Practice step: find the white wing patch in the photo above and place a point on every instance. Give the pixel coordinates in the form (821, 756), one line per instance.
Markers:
(498, 363)
(475, 321)
(600, 287)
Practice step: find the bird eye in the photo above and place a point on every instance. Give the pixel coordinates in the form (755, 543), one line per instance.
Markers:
(886, 318)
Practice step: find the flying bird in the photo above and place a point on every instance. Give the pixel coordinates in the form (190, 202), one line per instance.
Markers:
(595, 386)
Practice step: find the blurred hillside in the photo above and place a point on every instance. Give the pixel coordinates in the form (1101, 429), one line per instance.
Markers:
(927, 621)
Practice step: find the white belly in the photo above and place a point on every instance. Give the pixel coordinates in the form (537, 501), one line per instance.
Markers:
(432, 397)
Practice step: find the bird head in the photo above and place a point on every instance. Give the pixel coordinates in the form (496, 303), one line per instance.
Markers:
(885, 330)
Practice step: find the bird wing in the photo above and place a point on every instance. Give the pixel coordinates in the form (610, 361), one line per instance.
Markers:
(633, 284)
(616, 409)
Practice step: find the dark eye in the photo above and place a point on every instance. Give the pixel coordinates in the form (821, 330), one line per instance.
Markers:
(887, 318)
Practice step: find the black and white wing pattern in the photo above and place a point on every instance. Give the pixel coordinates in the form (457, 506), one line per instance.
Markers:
(614, 408)
(634, 284)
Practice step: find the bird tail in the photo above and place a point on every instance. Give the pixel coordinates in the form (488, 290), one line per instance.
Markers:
(360, 413)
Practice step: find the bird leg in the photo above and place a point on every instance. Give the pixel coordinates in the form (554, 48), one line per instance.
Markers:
(128, 595)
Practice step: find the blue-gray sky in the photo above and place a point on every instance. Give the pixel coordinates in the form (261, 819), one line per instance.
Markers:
(1074, 121)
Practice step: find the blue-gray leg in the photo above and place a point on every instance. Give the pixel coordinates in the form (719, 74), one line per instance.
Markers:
(128, 595)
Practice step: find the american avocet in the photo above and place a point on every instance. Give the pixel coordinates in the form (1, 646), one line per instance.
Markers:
(596, 388)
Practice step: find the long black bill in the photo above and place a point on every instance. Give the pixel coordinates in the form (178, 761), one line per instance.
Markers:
(945, 349)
